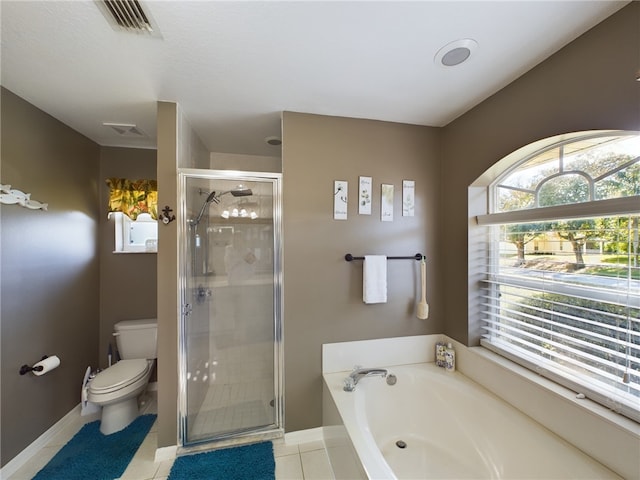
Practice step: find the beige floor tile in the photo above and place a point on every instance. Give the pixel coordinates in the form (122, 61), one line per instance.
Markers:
(282, 449)
(289, 467)
(142, 466)
(315, 465)
(142, 470)
(36, 463)
(311, 446)
(164, 469)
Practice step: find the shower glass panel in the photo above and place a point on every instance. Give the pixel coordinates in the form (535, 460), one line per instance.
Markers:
(230, 335)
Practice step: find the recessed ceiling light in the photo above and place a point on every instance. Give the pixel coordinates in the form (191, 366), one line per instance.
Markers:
(273, 141)
(455, 53)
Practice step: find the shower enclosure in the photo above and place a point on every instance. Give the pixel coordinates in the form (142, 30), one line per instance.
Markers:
(230, 331)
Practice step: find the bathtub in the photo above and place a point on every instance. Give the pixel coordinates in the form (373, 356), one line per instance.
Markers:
(449, 426)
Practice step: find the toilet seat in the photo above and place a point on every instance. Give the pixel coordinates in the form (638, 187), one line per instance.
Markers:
(119, 376)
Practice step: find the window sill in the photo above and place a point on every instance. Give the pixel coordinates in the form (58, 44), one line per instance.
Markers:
(610, 438)
(558, 390)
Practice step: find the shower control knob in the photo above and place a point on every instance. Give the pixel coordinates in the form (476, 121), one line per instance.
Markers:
(203, 293)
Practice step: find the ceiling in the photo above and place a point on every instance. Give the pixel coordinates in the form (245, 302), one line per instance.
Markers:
(234, 66)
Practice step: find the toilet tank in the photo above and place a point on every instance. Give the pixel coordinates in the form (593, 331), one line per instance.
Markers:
(137, 338)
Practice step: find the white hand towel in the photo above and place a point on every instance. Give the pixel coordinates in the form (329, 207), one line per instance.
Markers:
(374, 279)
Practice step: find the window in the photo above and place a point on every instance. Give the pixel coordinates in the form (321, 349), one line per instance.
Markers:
(133, 204)
(136, 236)
(561, 289)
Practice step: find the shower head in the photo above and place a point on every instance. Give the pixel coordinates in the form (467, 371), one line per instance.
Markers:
(240, 191)
(211, 198)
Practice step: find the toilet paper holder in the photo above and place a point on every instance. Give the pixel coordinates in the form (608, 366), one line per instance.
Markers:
(24, 369)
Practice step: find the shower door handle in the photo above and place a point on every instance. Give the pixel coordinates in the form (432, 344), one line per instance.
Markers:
(187, 309)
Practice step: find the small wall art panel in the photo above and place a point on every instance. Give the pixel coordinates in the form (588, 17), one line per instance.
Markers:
(340, 196)
(386, 203)
(364, 196)
(408, 198)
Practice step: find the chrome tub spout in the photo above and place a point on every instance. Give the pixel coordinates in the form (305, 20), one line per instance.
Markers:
(358, 373)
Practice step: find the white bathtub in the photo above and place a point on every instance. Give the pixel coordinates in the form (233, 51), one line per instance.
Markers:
(452, 427)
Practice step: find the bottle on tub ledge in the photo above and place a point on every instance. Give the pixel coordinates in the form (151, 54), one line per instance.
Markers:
(449, 358)
(440, 348)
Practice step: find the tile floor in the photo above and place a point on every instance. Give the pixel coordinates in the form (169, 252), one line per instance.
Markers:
(303, 461)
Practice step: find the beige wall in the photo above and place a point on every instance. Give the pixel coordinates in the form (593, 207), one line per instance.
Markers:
(588, 85)
(127, 281)
(192, 153)
(178, 146)
(247, 163)
(50, 270)
(323, 292)
(167, 258)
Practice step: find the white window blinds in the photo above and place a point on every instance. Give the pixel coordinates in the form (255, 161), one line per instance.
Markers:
(562, 297)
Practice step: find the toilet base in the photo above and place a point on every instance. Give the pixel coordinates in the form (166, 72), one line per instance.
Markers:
(117, 416)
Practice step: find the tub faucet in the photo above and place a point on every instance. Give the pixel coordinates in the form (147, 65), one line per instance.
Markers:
(354, 377)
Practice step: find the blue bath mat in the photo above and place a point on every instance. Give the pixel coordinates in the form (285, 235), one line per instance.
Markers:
(92, 455)
(248, 462)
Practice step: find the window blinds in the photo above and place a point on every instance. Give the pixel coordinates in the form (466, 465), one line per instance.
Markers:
(562, 298)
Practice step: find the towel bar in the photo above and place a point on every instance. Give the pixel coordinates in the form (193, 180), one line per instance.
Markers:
(418, 256)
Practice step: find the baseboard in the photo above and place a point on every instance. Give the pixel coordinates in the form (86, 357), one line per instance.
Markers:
(25, 455)
(165, 453)
(304, 436)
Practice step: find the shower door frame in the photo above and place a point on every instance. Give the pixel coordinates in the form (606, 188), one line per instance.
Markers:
(260, 433)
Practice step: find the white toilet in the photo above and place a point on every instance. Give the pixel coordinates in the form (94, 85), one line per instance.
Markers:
(117, 388)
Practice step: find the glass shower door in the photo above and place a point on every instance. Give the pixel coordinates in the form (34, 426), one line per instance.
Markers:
(231, 380)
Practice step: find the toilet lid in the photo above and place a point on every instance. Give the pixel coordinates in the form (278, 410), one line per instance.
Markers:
(119, 375)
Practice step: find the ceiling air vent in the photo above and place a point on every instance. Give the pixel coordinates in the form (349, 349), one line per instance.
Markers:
(125, 129)
(127, 15)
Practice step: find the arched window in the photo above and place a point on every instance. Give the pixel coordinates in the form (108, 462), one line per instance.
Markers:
(561, 292)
